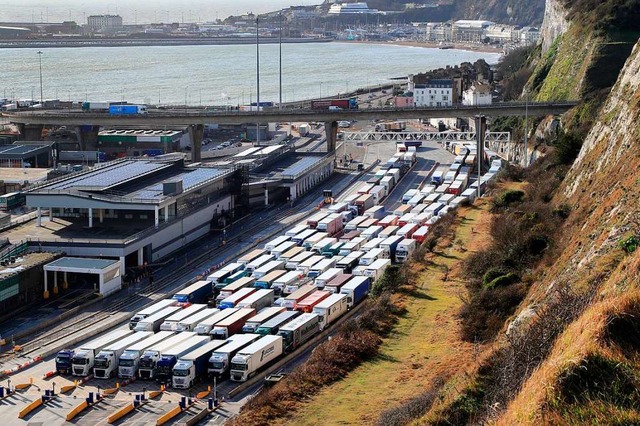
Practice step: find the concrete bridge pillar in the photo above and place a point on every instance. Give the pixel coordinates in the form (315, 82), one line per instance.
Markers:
(31, 132)
(88, 137)
(331, 130)
(196, 134)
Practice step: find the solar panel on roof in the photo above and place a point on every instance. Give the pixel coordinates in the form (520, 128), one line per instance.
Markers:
(300, 166)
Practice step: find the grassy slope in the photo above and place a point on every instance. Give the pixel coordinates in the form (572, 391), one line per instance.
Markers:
(423, 346)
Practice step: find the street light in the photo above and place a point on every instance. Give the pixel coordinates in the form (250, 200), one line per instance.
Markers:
(280, 104)
(257, 77)
(40, 60)
(526, 125)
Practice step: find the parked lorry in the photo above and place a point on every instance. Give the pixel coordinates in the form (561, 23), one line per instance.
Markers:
(263, 316)
(389, 247)
(193, 366)
(294, 262)
(268, 267)
(154, 322)
(221, 357)
(151, 355)
(331, 224)
(171, 323)
(146, 312)
(286, 280)
(273, 325)
(230, 289)
(82, 359)
(388, 231)
(376, 269)
(169, 358)
(364, 202)
(251, 256)
(301, 237)
(347, 263)
(356, 289)
(249, 360)
(307, 304)
(322, 279)
(282, 249)
(105, 365)
(337, 282)
(405, 248)
(296, 230)
(330, 309)
(128, 361)
(257, 300)
(407, 230)
(323, 245)
(197, 292)
(127, 109)
(420, 235)
(388, 220)
(371, 256)
(321, 267)
(235, 298)
(232, 324)
(276, 242)
(205, 326)
(290, 254)
(313, 221)
(333, 250)
(190, 323)
(305, 266)
(353, 224)
(298, 295)
(267, 281)
(298, 331)
(257, 263)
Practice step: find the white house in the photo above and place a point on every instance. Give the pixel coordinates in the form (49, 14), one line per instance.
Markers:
(434, 93)
(478, 94)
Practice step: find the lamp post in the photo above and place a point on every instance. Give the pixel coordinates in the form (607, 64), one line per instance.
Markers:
(257, 77)
(320, 90)
(280, 103)
(526, 127)
(40, 60)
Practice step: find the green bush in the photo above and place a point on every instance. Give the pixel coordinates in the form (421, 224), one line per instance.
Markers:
(390, 280)
(629, 244)
(509, 197)
(504, 280)
(492, 274)
(568, 147)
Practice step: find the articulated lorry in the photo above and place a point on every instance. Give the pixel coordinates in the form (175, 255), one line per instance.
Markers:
(190, 323)
(273, 325)
(221, 357)
(151, 355)
(330, 309)
(204, 327)
(197, 292)
(105, 365)
(249, 360)
(147, 312)
(84, 357)
(192, 367)
(356, 289)
(300, 330)
(128, 362)
(171, 323)
(232, 324)
(169, 358)
(263, 316)
(154, 322)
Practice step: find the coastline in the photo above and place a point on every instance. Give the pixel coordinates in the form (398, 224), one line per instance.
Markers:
(429, 45)
(131, 42)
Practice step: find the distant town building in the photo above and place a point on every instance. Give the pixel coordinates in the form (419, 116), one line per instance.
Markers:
(104, 23)
(404, 101)
(14, 32)
(470, 31)
(434, 93)
(529, 36)
(502, 34)
(438, 32)
(477, 94)
(350, 8)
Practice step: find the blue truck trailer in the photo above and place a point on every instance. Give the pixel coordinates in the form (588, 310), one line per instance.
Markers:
(356, 289)
(197, 292)
(127, 109)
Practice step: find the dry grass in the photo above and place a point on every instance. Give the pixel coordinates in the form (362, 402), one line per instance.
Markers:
(423, 347)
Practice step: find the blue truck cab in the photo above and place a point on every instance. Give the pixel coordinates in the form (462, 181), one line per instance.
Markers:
(63, 361)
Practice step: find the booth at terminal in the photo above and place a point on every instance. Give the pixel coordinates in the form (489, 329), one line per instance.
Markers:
(109, 279)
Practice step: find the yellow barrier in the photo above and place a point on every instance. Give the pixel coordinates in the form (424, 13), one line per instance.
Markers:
(24, 385)
(112, 390)
(120, 413)
(169, 415)
(29, 408)
(77, 410)
(203, 394)
(153, 394)
(68, 388)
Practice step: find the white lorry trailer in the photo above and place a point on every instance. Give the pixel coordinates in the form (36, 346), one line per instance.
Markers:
(255, 356)
(151, 355)
(171, 323)
(84, 357)
(330, 309)
(221, 357)
(147, 312)
(128, 362)
(105, 365)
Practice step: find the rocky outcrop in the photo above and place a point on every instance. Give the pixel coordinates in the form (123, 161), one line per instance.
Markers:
(555, 23)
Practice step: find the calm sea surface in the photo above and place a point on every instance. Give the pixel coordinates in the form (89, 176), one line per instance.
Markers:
(213, 75)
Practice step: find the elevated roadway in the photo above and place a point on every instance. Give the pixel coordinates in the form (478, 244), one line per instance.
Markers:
(89, 123)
